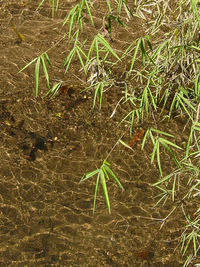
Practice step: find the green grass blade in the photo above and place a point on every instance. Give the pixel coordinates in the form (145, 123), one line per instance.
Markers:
(103, 41)
(54, 90)
(173, 189)
(45, 69)
(114, 177)
(161, 132)
(164, 179)
(95, 192)
(89, 175)
(78, 50)
(89, 12)
(134, 56)
(162, 140)
(158, 158)
(91, 49)
(164, 143)
(124, 144)
(69, 59)
(155, 147)
(37, 70)
(40, 4)
(47, 59)
(145, 138)
(105, 172)
(103, 182)
(28, 64)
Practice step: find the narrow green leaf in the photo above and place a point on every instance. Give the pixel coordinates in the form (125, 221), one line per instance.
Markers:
(173, 188)
(40, 4)
(37, 70)
(161, 132)
(134, 55)
(80, 58)
(162, 140)
(114, 177)
(155, 147)
(144, 138)
(103, 182)
(45, 69)
(95, 192)
(105, 172)
(28, 64)
(89, 12)
(158, 158)
(48, 59)
(103, 41)
(166, 178)
(54, 90)
(124, 144)
(88, 175)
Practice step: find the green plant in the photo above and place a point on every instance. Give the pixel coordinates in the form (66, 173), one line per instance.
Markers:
(52, 4)
(157, 141)
(104, 173)
(76, 15)
(41, 59)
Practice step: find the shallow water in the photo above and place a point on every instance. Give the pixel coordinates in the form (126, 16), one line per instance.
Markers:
(47, 145)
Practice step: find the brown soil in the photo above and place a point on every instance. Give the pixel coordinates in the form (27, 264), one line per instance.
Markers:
(48, 144)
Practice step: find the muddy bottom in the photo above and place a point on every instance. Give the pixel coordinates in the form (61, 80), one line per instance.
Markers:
(47, 145)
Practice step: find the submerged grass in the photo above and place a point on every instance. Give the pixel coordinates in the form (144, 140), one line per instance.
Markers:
(162, 82)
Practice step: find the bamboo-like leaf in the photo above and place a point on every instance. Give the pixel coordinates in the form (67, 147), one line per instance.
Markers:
(48, 59)
(107, 163)
(162, 140)
(164, 179)
(158, 158)
(124, 144)
(159, 49)
(161, 132)
(37, 70)
(105, 172)
(145, 138)
(98, 94)
(71, 13)
(40, 4)
(164, 143)
(89, 175)
(91, 49)
(95, 192)
(155, 147)
(163, 196)
(114, 177)
(173, 188)
(197, 85)
(69, 59)
(28, 64)
(78, 51)
(134, 55)
(54, 90)
(148, 38)
(45, 69)
(103, 41)
(103, 182)
(89, 12)
(143, 51)
(117, 19)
